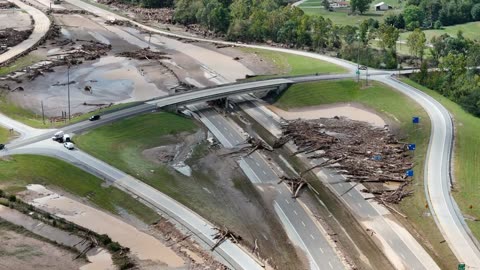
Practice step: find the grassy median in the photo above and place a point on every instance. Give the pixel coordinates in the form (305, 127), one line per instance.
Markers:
(291, 64)
(20, 170)
(466, 158)
(397, 109)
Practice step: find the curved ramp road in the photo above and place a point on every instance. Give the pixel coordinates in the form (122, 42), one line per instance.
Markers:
(437, 175)
(233, 255)
(42, 24)
(437, 169)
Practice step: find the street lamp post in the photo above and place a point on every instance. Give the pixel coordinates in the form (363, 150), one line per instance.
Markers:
(68, 90)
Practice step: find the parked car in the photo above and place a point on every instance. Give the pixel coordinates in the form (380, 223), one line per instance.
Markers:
(2, 146)
(69, 145)
(58, 136)
(94, 117)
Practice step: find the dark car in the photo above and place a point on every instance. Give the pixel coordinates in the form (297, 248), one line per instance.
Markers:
(2, 146)
(94, 117)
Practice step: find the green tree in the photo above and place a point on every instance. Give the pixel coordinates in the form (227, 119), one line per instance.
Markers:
(388, 35)
(416, 43)
(476, 12)
(326, 4)
(413, 15)
(360, 5)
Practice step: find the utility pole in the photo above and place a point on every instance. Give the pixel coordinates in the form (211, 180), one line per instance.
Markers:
(43, 114)
(68, 90)
(149, 39)
(366, 75)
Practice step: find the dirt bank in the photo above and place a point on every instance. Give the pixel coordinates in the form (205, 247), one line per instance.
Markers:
(145, 247)
(353, 111)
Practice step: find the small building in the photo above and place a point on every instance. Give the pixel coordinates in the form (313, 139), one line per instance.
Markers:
(382, 6)
(339, 4)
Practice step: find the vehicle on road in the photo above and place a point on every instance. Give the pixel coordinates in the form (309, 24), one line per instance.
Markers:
(94, 117)
(2, 146)
(69, 145)
(66, 138)
(58, 136)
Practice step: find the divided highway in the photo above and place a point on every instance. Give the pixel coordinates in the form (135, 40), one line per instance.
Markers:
(437, 168)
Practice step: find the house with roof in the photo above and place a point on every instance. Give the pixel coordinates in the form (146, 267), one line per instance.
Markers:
(382, 6)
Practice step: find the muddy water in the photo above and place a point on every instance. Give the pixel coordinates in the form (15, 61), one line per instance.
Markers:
(99, 258)
(142, 245)
(348, 110)
(112, 79)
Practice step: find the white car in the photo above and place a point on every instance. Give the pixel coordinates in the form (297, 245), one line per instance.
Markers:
(69, 145)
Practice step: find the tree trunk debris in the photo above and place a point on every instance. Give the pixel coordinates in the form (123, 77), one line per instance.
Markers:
(363, 153)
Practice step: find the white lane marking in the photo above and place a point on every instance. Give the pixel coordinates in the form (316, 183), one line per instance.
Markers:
(264, 172)
(350, 194)
(390, 241)
(360, 205)
(340, 184)
(279, 191)
(303, 224)
(312, 237)
(258, 165)
(287, 201)
(330, 264)
(295, 212)
(403, 256)
(343, 176)
(321, 250)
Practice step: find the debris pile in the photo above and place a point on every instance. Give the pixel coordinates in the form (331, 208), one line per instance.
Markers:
(295, 184)
(363, 153)
(10, 37)
(162, 15)
(7, 5)
(144, 54)
(223, 235)
(71, 11)
(120, 23)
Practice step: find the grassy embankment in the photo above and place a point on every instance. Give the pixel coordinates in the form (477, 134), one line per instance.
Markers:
(222, 197)
(392, 106)
(290, 64)
(470, 30)
(466, 158)
(121, 144)
(340, 15)
(20, 170)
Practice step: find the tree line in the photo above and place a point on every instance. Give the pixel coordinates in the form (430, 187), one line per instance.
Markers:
(457, 78)
(435, 14)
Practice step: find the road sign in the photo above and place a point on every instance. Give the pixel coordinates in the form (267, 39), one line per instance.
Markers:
(415, 119)
(409, 173)
(358, 72)
(411, 147)
(461, 266)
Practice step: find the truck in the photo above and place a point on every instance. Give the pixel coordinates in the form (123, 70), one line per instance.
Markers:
(58, 136)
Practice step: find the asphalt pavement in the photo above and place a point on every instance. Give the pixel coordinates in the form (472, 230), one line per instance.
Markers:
(300, 225)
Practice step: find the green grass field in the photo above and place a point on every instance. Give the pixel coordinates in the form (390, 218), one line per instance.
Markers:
(470, 30)
(20, 170)
(391, 105)
(466, 157)
(340, 15)
(290, 64)
(21, 63)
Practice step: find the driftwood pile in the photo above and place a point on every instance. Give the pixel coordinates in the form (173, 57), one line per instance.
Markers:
(295, 184)
(120, 23)
(223, 235)
(163, 15)
(7, 5)
(144, 54)
(362, 153)
(10, 37)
